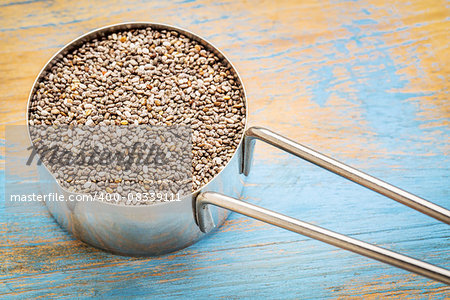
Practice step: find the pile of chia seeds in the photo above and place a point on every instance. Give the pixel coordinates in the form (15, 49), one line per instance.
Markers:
(147, 77)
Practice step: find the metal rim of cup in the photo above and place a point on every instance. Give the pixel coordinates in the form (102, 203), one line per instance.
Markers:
(109, 29)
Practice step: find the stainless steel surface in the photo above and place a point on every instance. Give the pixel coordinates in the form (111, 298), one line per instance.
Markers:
(165, 227)
(341, 169)
(315, 232)
(144, 230)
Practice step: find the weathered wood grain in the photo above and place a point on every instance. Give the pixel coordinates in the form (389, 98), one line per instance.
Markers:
(365, 81)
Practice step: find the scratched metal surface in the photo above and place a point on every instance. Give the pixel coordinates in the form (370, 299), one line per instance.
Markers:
(365, 81)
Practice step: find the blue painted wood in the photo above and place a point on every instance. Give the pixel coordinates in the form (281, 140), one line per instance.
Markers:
(364, 82)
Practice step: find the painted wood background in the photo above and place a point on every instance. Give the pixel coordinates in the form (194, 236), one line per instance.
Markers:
(364, 81)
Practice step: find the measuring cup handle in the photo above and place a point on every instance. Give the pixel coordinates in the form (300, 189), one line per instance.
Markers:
(330, 164)
(206, 223)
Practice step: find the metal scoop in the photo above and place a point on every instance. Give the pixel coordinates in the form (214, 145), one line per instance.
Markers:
(165, 227)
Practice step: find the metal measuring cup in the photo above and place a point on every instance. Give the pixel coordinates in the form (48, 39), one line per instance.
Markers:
(166, 227)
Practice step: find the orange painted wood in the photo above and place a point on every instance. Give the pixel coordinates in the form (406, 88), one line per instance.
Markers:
(364, 81)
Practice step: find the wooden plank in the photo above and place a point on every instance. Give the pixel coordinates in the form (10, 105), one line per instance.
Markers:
(366, 82)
